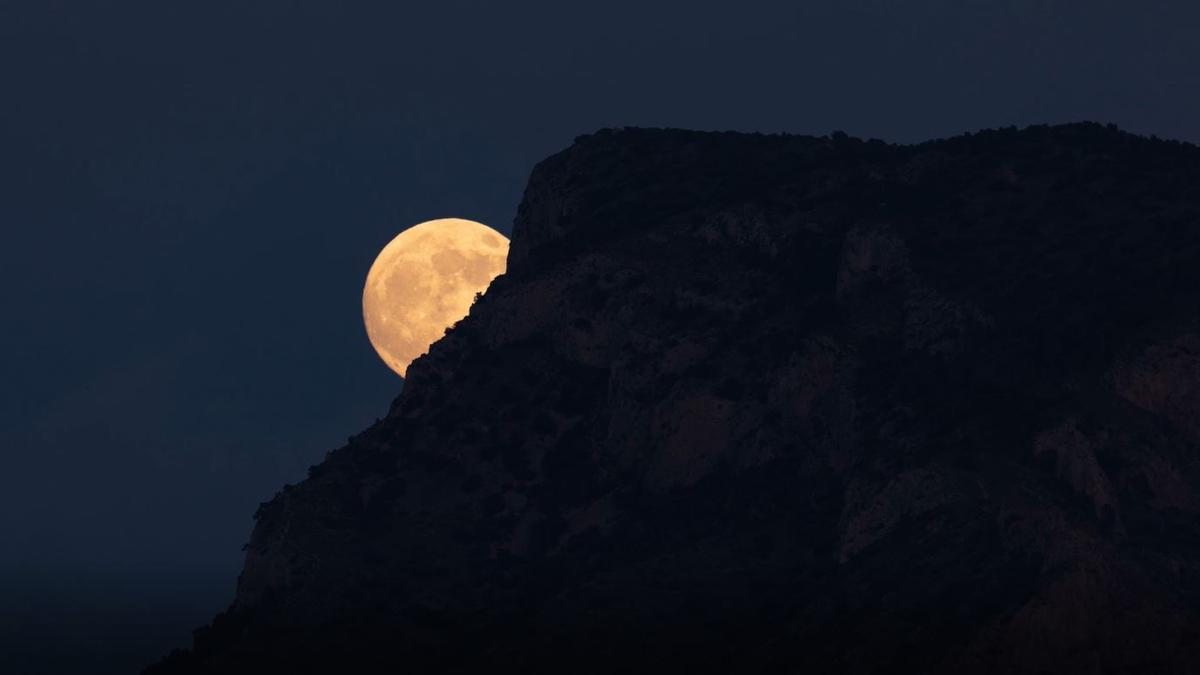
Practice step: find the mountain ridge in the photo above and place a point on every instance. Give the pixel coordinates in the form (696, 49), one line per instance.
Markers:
(773, 403)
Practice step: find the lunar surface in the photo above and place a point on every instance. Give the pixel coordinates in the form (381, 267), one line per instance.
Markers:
(424, 281)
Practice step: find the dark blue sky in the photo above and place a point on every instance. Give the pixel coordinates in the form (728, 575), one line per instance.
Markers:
(191, 197)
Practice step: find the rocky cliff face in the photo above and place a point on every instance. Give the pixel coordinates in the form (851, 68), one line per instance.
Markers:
(779, 404)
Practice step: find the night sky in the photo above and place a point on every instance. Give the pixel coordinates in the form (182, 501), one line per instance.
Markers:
(191, 197)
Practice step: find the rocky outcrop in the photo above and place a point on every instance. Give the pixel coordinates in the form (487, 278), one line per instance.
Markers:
(752, 403)
(1165, 380)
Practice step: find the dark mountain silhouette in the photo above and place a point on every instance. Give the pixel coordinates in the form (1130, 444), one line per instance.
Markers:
(776, 404)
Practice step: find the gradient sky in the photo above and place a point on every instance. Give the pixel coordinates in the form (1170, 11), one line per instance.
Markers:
(191, 197)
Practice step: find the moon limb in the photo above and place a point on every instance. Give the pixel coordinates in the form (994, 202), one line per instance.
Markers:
(424, 281)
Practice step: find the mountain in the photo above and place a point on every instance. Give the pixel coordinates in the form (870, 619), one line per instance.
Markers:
(778, 404)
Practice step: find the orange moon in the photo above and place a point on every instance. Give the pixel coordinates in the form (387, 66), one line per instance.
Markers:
(424, 281)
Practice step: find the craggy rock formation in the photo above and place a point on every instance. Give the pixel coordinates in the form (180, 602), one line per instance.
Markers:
(772, 404)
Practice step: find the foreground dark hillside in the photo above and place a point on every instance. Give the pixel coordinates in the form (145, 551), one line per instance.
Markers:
(779, 404)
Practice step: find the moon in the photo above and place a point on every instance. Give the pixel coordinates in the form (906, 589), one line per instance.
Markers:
(424, 281)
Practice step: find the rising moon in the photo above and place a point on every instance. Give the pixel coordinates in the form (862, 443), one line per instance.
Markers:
(424, 281)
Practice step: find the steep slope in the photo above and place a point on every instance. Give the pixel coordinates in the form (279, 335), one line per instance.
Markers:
(754, 403)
